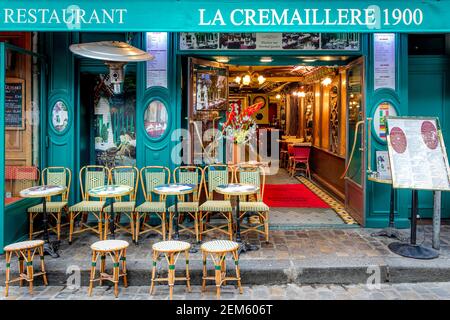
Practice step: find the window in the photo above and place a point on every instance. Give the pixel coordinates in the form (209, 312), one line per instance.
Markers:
(155, 119)
(21, 114)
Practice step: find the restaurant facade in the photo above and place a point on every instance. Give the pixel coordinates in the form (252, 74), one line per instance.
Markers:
(332, 71)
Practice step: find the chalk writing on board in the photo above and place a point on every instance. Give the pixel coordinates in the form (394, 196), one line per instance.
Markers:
(14, 111)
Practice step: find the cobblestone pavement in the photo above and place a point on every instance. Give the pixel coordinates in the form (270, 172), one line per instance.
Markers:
(305, 244)
(404, 291)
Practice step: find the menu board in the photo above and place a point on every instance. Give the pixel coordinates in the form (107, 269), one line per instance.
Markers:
(157, 68)
(417, 154)
(384, 61)
(14, 104)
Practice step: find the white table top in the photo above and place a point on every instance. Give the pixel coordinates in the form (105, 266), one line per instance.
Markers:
(42, 191)
(109, 191)
(237, 189)
(174, 189)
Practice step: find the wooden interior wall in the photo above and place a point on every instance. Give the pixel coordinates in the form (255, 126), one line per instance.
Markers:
(325, 165)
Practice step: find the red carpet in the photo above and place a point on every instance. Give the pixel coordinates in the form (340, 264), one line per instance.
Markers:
(291, 196)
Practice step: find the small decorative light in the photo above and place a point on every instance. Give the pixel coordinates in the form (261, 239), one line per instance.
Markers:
(223, 59)
(326, 81)
(246, 80)
(294, 93)
(266, 59)
(309, 60)
(301, 94)
(261, 79)
(278, 96)
(237, 80)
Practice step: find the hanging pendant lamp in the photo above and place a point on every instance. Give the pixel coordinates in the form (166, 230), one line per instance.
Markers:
(115, 54)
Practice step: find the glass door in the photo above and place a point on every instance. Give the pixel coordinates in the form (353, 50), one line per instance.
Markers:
(354, 178)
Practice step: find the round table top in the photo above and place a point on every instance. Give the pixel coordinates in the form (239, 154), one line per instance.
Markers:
(174, 189)
(109, 191)
(42, 191)
(236, 189)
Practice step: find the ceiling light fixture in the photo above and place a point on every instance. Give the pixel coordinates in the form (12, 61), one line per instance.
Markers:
(309, 60)
(266, 59)
(278, 96)
(223, 59)
(261, 79)
(115, 54)
(246, 80)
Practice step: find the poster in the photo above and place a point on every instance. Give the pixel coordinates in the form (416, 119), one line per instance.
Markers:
(383, 110)
(383, 165)
(417, 154)
(384, 61)
(157, 68)
(269, 41)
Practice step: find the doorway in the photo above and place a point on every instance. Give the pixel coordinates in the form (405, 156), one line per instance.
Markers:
(109, 137)
(317, 105)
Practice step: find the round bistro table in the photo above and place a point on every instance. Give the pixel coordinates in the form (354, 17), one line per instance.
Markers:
(111, 192)
(174, 189)
(236, 190)
(50, 247)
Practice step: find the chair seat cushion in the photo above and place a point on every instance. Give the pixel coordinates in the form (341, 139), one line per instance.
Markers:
(30, 244)
(171, 246)
(216, 205)
(109, 245)
(219, 246)
(152, 207)
(122, 206)
(51, 207)
(90, 206)
(253, 206)
(185, 207)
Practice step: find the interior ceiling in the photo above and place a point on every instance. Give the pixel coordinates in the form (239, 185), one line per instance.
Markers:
(277, 77)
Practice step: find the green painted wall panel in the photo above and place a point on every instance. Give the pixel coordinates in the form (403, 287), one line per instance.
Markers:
(429, 96)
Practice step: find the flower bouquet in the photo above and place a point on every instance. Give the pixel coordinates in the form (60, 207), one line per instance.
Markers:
(240, 125)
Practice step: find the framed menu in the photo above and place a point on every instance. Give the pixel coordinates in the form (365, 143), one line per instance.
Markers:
(384, 60)
(15, 104)
(157, 68)
(417, 154)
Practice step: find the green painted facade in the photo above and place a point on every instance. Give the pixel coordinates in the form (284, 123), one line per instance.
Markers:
(415, 76)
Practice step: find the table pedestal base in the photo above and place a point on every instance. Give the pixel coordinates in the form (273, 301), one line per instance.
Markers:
(51, 249)
(390, 233)
(246, 246)
(413, 251)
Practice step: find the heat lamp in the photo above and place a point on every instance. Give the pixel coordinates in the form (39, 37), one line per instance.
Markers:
(115, 54)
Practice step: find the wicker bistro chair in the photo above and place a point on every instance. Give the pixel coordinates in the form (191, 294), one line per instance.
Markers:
(189, 175)
(91, 176)
(129, 176)
(152, 176)
(215, 175)
(55, 205)
(253, 175)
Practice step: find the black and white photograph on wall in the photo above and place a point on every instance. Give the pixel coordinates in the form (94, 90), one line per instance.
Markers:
(237, 41)
(198, 40)
(302, 41)
(340, 41)
(211, 90)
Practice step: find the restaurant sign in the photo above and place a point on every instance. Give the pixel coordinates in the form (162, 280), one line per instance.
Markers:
(226, 16)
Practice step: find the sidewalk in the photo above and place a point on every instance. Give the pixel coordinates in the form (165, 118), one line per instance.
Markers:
(316, 256)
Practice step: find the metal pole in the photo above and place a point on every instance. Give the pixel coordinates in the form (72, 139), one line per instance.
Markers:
(436, 220)
(414, 210)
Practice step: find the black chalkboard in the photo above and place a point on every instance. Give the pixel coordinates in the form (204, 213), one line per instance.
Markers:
(14, 104)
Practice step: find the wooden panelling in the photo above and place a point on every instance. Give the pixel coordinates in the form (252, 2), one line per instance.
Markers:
(327, 169)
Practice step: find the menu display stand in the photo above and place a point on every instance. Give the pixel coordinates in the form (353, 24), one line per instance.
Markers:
(418, 161)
